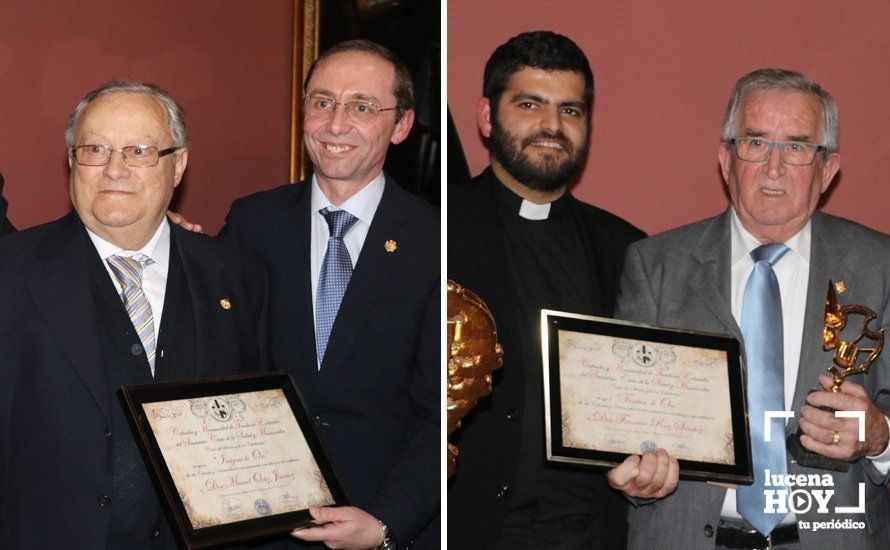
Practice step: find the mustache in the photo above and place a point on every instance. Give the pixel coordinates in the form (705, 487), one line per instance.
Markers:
(557, 137)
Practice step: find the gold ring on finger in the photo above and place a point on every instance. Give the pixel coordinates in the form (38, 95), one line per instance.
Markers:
(837, 438)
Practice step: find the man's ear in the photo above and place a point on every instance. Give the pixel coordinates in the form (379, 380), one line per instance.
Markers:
(483, 116)
(829, 169)
(403, 127)
(724, 156)
(182, 159)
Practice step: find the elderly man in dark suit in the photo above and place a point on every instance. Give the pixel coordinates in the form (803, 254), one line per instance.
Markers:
(110, 295)
(770, 251)
(355, 287)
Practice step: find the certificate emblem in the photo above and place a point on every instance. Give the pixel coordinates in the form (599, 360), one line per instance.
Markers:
(644, 355)
(219, 410)
(262, 507)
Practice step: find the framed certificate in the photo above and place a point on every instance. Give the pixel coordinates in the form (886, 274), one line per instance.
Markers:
(233, 458)
(613, 388)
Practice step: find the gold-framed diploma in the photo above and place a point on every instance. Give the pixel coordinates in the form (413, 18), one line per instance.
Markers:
(614, 388)
(234, 458)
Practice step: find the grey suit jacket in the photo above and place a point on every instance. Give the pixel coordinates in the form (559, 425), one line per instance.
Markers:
(681, 279)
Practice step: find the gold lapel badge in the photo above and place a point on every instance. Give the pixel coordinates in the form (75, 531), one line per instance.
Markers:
(390, 245)
(225, 304)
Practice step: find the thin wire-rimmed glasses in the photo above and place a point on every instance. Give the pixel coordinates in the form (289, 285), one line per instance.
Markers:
(794, 153)
(138, 156)
(324, 107)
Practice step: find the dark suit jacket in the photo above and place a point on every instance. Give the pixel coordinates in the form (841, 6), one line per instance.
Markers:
(489, 440)
(682, 279)
(376, 398)
(55, 405)
(5, 226)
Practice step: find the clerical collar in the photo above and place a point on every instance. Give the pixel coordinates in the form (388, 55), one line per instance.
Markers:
(532, 211)
(516, 205)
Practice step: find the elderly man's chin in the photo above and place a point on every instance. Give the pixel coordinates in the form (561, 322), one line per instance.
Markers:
(111, 217)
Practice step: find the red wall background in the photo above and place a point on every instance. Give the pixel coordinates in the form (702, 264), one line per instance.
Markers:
(663, 73)
(228, 63)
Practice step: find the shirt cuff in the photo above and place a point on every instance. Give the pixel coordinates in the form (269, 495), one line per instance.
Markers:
(882, 461)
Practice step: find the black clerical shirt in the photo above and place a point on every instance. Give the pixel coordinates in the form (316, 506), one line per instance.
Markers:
(550, 265)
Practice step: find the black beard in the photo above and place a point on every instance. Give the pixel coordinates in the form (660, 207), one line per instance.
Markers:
(548, 174)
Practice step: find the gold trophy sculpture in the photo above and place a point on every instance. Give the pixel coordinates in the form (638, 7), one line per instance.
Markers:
(472, 353)
(844, 364)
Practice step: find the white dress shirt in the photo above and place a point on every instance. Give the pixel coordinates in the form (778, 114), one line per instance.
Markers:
(363, 205)
(154, 276)
(792, 272)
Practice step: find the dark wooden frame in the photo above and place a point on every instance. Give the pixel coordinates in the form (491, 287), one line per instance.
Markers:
(133, 398)
(554, 321)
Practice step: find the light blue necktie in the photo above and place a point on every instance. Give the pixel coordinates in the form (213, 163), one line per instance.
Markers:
(764, 354)
(335, 273)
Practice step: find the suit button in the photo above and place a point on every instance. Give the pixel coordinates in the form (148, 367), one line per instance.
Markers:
(709, 531)
(502, 491)
(136, 349)
(104, 500)
(319, 422)
(156, 534)
(512, 414)
(108, 433)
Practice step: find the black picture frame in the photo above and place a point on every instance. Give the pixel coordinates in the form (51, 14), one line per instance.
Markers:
(552, 322)
(134, 397)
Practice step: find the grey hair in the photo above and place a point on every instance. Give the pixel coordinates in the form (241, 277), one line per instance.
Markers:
(174, 111)
(790, 81)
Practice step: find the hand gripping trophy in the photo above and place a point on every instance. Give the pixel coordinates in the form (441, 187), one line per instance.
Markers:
(472, 353)
(844, 363)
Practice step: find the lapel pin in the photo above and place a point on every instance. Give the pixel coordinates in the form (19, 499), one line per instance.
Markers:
(225, 303)
(840, 287)
(390, 245)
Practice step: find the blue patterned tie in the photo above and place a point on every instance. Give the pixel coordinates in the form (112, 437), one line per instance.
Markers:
(128, 271)
(764, 354)
(335, 273)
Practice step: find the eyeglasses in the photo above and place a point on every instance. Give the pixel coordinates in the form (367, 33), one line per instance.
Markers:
(138, 156)
(794, 153)
(324, 107)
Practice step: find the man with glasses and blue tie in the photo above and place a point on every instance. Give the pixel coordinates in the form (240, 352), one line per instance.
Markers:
(758, 272)
(110, 295)
(355, 291)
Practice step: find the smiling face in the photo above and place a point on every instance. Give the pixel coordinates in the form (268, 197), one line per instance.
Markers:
(347, 153)
(124, 204)
(772, 199)
(538, 132)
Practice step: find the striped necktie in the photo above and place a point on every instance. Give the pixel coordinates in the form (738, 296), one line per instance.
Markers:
(128, 270)
(336, 270)
(761, 326)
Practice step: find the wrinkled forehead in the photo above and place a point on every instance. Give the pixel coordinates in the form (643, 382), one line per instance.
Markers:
(354, 75)
(122, 113)
(788, 114)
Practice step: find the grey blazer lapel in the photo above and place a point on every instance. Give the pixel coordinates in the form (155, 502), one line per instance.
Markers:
(826, 262)
(711, 281)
